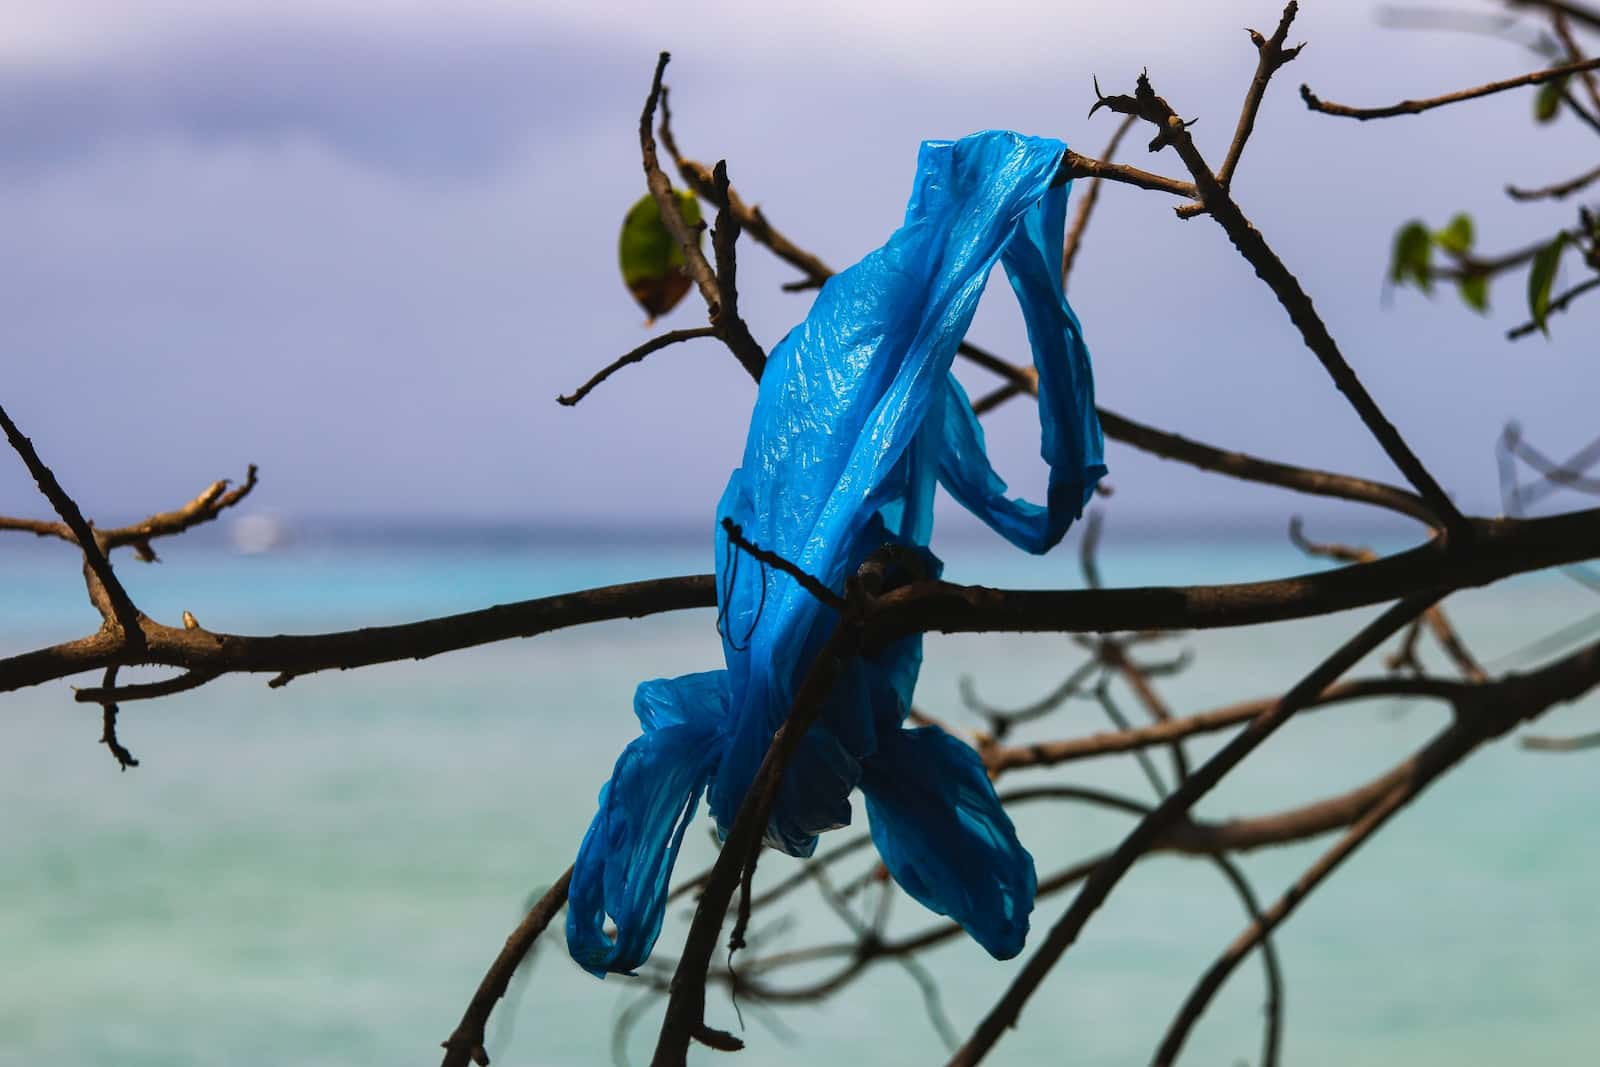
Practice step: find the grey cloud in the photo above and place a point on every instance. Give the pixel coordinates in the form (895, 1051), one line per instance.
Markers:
(446, 102)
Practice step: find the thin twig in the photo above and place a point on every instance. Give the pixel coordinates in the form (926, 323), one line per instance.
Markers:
(122, 611)
(1088, 198)
(655, 344)
(807, 582)
(1416, 107)
(1001, 720)
(1562, 744)
(1270, 57)
(731, 327)
(147, 691)
(685, 1017)
(212, 501)
(108, 724)
(754, 222)
(1574, 11)
(466, 1043)
(1001, 759)
(696, 265)
(1075, 166)
(1560, 21)
(1557, 191)
(1560, 303)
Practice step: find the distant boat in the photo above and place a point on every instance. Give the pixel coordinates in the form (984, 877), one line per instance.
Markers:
(255, 534)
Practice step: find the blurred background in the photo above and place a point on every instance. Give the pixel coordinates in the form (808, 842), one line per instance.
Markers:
(366, 245)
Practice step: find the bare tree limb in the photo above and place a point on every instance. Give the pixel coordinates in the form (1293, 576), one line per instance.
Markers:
(685, 1018)
(1001, 759)
(696, 266)
(1488, 712)
(108, 724)
(655, 344)
(1562, 744)
(1560, 303)
(212, 501)
(1254, 248)
(1271, 55)
(122, 614)
(1166, 814)
(1089, 197)
(1416, 107)
(1557, 191)
(466, 1043)
(1075, 166)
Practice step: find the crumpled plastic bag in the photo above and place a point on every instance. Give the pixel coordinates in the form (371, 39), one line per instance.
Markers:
(857, 418)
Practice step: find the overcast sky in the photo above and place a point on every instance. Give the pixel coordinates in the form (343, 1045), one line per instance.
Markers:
(365, 245)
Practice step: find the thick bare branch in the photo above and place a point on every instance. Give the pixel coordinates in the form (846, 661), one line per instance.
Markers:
(202, 650)
(1502, 547)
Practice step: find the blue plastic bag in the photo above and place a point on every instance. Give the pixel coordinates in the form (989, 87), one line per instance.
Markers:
(857, 418)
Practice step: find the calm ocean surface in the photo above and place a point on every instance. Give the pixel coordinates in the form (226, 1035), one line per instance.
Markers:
(320, 874)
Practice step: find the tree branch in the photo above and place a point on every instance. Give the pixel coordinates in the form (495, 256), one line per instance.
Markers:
(685, 1017)
(1270, 56)
(661, 189)
(1075, 166)
(466, 1043)
(1001, 759)
(1416, 107)
(1254, 248)
(655, 344)
(1560, 303)
(1168, 813)
(1090, 196)
(1557, 191)
(121, 612)
(1502, 547)
(1487, 712)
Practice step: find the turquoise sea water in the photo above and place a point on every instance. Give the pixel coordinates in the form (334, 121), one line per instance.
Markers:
(320, 874)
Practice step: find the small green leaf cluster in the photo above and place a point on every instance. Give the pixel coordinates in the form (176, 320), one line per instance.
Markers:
(1412, 259)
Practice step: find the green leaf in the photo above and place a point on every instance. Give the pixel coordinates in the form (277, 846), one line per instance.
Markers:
(1548, 103)
(1456, 237)
(1542, 278)
(1474, 290)
(1413, 252)
(652, 262)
